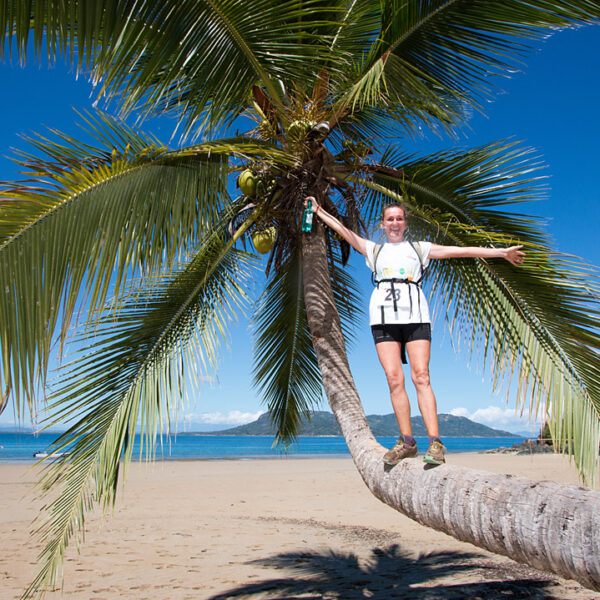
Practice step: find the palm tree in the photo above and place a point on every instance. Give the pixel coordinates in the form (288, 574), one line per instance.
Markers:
(147, 240)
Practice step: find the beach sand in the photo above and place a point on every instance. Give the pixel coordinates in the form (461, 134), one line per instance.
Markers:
(285, 528)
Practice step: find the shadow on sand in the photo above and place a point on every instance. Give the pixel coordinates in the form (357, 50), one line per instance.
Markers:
(389, 574)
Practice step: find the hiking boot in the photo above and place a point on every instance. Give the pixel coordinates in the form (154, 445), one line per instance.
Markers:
(435, 454)
(399, 452)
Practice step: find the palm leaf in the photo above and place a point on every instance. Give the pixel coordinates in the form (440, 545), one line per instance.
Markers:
(434, 58)
(133, 374)
(286, 371)
(185, 56)
(74, 221)
(540, 321)
(209, 54)
(87, 218)
(356, 22)
(60, 27)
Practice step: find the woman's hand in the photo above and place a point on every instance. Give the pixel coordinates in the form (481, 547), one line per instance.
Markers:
(514, 255)
(314, 205)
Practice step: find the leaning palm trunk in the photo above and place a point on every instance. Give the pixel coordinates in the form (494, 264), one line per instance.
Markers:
(546, 525)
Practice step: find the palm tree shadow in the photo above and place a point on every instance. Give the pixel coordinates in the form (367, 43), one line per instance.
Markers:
(388, 574)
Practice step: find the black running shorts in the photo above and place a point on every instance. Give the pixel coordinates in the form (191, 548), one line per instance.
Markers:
(402, 333)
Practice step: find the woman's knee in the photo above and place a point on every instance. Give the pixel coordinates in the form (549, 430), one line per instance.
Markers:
(420, 377)
(395, 379)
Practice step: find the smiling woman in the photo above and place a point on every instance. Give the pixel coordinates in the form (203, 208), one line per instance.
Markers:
(398, 268)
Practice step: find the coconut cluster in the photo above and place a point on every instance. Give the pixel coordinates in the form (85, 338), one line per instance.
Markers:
(298, 129)
(249, 183)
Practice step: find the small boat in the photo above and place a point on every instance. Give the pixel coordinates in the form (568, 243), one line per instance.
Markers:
(46, 455)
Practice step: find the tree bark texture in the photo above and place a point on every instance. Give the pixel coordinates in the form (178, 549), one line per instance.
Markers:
(549, 526)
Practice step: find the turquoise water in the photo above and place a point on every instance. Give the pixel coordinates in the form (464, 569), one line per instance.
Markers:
(17, 447)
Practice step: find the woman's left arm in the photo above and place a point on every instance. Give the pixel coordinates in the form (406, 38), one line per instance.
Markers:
(513, 254)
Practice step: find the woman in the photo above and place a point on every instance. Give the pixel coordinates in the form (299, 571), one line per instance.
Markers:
(399, 317)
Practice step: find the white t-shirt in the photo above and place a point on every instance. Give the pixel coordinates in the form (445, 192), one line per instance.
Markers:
(398, 261)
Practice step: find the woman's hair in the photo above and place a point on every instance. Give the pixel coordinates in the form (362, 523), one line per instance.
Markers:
(394, 205)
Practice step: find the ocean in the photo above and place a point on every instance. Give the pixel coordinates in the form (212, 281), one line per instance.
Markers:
(18, 447)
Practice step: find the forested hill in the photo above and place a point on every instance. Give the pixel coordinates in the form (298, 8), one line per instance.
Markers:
(324, 423)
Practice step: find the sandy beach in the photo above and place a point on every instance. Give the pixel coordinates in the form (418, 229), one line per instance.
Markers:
(279, 528)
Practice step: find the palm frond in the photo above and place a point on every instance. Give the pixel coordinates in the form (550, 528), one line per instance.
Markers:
(134, 372)
(547, 337)
(370, 123)
(63, 27)
(435, 58)
(357, 21)
(87, 218)
(286, 371)
(538, 322)
(205, 56)
(196, 59)
(486, 179)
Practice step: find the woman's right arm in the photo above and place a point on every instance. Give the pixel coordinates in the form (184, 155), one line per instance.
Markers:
(357, 242)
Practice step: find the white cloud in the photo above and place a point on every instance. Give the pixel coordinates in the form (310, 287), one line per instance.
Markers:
(233, 417)
(460, 412)
(499, 418)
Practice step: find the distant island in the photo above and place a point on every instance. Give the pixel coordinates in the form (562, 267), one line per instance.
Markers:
(322, 423)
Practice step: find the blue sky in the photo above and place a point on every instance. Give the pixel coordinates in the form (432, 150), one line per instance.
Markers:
(552, 106)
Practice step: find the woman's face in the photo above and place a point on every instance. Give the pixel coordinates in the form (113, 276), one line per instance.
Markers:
(394, 224)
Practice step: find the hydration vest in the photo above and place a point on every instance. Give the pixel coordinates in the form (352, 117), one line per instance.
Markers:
(416, 246)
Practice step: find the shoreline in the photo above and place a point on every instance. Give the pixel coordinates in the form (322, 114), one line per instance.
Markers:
(296, 456)
(215, 530)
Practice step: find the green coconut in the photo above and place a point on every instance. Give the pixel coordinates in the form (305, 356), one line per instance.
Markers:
(264, 239)
(247, 182)
(298, 128)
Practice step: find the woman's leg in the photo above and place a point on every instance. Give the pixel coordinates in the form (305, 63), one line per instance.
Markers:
(389, 354)
(419, 352)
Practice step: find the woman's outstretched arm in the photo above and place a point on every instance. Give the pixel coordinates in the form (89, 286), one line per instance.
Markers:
(513, 254)
(357, 242)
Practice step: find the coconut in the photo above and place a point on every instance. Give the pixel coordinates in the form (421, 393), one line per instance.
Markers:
(247, 182)
(263, 239)
(298, 128)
